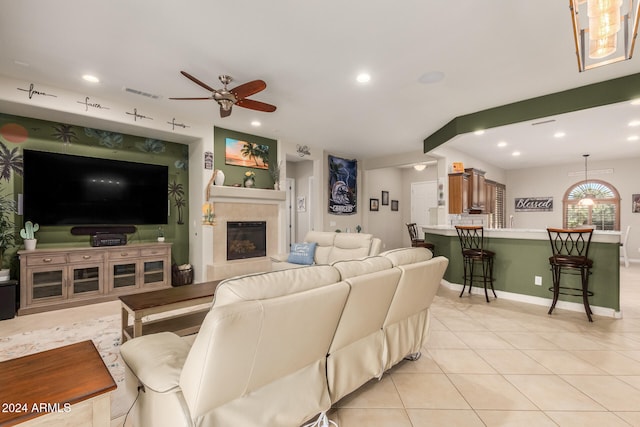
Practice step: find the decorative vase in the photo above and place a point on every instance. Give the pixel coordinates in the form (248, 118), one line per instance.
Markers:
(249, 183)
(30, 244)
(219, 179)
(276, 186)
(5, 274)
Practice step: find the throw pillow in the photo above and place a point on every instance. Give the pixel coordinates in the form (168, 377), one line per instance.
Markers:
(302, 253)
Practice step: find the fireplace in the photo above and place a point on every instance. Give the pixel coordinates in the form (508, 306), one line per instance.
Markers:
(246, 239)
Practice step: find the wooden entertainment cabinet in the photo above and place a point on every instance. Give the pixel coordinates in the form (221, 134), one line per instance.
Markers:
(56, 278)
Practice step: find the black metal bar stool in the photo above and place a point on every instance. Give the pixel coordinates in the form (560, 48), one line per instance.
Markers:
(473, 252)
(570, 250)
(416, 241)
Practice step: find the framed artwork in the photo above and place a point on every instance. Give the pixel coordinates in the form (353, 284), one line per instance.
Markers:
(394, 205)
(208, 160)
(373, 204)
(246, 154)
(301, 204)
(385, 198)
(635, 203)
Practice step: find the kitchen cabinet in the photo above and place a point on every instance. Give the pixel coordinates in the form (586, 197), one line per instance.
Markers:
(458, 193)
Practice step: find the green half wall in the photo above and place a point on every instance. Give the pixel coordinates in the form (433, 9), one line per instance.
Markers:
(518, 261)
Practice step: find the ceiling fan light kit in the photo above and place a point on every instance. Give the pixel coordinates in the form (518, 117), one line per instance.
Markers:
(227, 98)
(604, 31)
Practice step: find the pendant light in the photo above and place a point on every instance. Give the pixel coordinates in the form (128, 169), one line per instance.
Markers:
(604, 31)
(587, 200)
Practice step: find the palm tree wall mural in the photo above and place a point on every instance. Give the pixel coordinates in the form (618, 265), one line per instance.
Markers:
(10, 162)
(177, 193)
(18, 133)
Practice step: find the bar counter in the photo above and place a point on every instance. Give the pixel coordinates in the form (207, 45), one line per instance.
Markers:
(522, 254)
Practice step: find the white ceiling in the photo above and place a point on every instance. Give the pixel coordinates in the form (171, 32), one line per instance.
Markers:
(309, 52)
(605, 133)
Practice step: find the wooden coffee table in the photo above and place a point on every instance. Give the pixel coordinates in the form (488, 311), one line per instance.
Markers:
(67, 386)
(162, 301)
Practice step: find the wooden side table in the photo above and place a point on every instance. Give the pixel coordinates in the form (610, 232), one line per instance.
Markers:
(162, 301)
(68, 386)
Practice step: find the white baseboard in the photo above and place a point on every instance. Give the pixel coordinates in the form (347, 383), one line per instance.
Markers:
(529, 299)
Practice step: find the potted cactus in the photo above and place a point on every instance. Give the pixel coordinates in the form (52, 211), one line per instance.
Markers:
(27, 233)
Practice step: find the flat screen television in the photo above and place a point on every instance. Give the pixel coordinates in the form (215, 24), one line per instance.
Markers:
(63, 189)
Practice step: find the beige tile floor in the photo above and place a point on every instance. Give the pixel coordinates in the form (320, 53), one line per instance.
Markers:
(510, 364)
(497, 364)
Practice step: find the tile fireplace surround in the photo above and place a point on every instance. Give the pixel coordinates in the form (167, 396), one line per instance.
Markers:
(244, 204)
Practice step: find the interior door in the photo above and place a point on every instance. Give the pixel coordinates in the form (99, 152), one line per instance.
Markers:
(424, 196)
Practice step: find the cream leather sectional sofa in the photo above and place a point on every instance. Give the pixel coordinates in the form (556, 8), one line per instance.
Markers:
(332, 246)
(279, 348)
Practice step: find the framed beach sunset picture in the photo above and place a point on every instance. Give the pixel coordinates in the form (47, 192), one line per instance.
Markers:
(244, 153)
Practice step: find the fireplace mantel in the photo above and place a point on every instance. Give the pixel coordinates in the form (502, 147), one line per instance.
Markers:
(246, 195)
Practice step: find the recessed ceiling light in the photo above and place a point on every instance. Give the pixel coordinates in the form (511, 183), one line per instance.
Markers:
(90, 78)
(634, 123)
(515, 153)
(479, 132)
(633, 138)
(502, 144)
(420, 167)
(363, 78)
(559, 134)
(256, 123)
(635, 101)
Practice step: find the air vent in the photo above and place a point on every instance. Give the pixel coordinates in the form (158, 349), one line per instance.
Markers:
(543, 122)
(141, 93)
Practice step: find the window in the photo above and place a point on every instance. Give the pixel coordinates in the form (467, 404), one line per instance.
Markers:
(495, 206)
(603, 215)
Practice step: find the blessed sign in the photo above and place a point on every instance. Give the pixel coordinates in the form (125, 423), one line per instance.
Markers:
(534, 204)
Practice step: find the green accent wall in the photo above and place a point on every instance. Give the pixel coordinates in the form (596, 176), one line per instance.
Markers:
(517, 261)
(593, 95)
(18, 133)
(234, 175)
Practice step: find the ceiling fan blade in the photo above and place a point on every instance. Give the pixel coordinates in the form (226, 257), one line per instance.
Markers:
(198, 82)
(208, 97)
(256, 105)
(248, 89)
(225, 113)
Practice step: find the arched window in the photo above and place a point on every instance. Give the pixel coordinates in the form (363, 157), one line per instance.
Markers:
(604, 214)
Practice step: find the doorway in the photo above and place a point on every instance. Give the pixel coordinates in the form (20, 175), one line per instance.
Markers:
(299, 199)
(424, 197)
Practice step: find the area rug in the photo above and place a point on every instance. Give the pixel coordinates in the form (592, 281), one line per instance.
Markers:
(105, 334)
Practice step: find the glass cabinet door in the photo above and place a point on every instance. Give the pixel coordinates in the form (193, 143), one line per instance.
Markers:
(124, 276)
(153, 272)
(48, 284)
(86, 280)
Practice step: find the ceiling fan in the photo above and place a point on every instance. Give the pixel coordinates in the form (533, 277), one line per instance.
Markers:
(228, 97)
